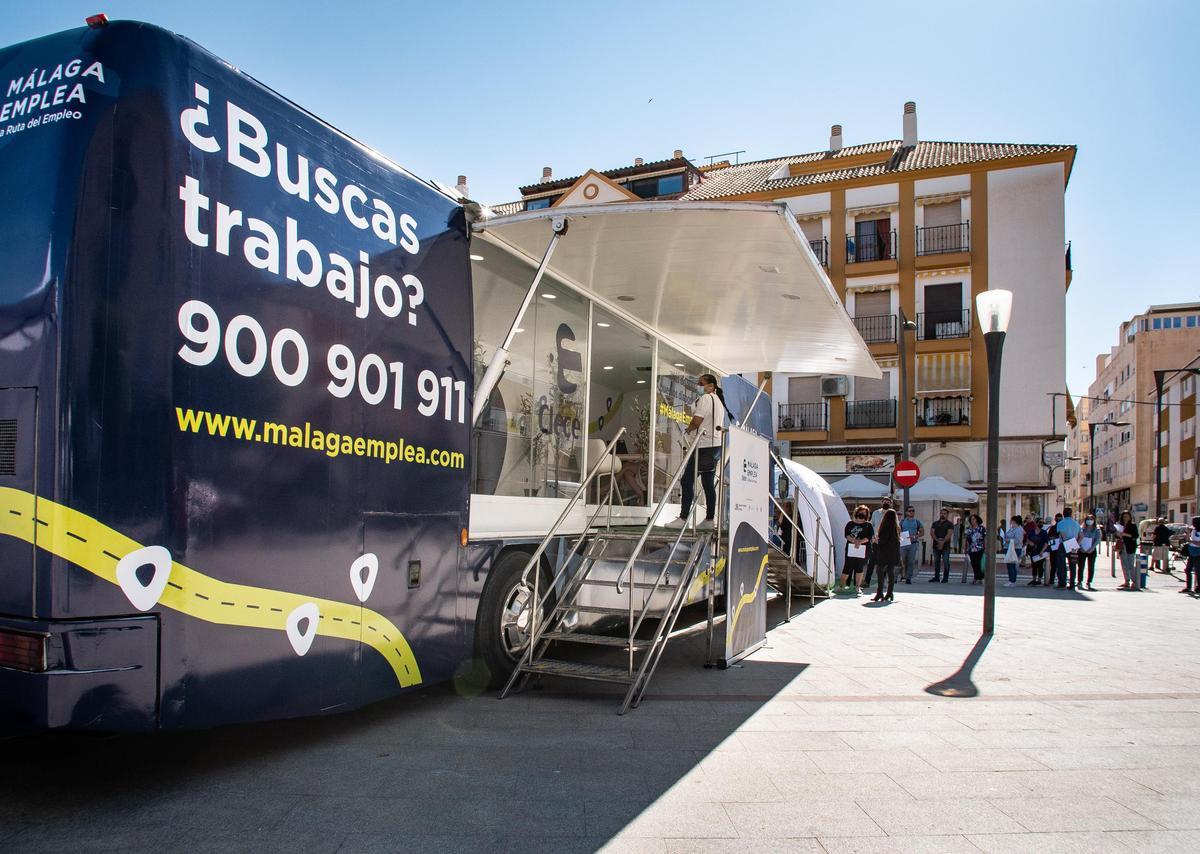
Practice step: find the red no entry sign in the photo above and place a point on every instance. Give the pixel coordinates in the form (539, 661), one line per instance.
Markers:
(906, 474)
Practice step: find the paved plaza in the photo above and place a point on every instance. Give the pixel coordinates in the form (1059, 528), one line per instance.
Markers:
(1083, 735)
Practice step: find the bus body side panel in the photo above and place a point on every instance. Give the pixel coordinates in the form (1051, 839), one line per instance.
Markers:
(266, 332)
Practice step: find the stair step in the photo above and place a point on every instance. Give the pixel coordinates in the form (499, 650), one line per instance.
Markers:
(616, 612)
(657, 536)
(595, 640)
(577, 670)
(640, 585)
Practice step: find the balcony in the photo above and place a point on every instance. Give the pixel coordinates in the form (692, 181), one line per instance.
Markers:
(943, 411)
(820, 248)
(877, 328)
(939, 239)
(804, 416)
(880, 246)
(866, 414)
(938, 325)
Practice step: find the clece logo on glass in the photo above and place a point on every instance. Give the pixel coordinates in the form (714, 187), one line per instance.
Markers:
(327, 205)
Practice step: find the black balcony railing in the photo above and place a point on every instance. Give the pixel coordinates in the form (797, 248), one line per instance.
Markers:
(943, 411)
(935, 325)
(820, 248)
(879, 246)
(936, 239)
(870, 413)
(804, 416)
(877, 328)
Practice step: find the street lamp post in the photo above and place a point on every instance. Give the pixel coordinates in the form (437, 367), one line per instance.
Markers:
(905, 412)
(1159, 377)
(993, 308)
(1092, 425)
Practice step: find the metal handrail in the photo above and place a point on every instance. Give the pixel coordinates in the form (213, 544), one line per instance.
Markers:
(799, 530)
(800, 493)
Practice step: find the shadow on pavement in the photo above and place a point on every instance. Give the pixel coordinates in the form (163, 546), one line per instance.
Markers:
(546, 770)
(959, 683)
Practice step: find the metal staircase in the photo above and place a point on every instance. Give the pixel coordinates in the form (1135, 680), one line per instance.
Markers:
(788, 570)
(627, 586)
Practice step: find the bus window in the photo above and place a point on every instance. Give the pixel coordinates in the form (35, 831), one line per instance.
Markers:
(621, 376)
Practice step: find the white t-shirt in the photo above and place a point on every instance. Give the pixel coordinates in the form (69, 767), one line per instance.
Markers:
(709, 407)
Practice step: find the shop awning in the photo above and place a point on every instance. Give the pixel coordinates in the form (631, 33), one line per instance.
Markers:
(734, 284)
(941, 374)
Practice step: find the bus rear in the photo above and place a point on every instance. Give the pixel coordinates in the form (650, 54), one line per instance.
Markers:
(234, 394)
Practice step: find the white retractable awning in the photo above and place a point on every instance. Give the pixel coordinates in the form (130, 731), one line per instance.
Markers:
(735, 283)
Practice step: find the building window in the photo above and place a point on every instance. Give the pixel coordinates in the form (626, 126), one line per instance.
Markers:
(1191, 322)
(1158, 323)
(649, 188)
(538, 204)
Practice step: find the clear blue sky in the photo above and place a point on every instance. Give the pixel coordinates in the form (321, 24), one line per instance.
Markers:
(498, 90)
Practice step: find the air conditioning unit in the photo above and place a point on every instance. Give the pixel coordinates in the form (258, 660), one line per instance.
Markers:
(834, 385)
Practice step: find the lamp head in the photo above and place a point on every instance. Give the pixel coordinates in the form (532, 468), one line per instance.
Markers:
(994, 309)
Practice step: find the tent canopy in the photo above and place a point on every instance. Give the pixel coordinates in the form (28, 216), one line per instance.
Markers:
(936, 488)
(859, 486)
(820, 508)
(735, 284)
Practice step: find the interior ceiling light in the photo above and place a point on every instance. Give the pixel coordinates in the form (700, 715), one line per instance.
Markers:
(549, 296)
(679, 364)
(791, 296)
(608, 367)
(603, 325)
(626, 298)
(641, 382)
(476, 257)
(768, 268)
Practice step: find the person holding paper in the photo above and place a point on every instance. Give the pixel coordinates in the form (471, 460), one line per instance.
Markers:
(1089, 544)
(911, 531)
(887, 554)
(1036, 545)
(858, 536)
(1068, 529)
(1191, 571)
(1014, 544)
(1127, 540)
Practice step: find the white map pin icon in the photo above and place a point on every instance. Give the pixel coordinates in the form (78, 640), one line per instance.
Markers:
(301, 641)
(144, 596)
(363, 573)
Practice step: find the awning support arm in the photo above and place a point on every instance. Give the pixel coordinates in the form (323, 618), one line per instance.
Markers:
(495, 371)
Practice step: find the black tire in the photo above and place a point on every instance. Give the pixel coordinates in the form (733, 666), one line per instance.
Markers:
(497, 639)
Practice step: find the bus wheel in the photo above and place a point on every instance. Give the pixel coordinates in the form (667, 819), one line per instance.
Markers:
(502, 631)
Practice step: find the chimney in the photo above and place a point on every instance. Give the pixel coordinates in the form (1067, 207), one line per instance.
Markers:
(547, 173)
(910, 123)
(835, 138)
(678, 154)
(461, 186)
(637, 161)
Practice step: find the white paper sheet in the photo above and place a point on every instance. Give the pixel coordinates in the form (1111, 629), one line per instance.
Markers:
(1071, 545)
(856, 551)
(905, 538)
(1039, 557)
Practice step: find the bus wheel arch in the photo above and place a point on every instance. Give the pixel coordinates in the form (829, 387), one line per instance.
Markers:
(501, 624)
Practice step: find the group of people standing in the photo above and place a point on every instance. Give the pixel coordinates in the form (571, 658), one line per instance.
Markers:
(1061, 552)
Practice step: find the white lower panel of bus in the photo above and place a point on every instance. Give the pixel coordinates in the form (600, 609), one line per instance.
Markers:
(505, 516)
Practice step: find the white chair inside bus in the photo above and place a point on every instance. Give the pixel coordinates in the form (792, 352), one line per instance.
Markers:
(609, 468)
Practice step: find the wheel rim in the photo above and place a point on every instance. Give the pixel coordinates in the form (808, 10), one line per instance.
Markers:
(514, 621)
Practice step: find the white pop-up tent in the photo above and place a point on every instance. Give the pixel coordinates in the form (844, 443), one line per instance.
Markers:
(860, 486)
(820, 509)
(935, 488)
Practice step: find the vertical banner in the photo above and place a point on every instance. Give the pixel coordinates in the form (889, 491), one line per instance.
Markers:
(746, 599)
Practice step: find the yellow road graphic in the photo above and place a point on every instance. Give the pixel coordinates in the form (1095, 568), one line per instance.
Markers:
(97, 548)
(711, 574)
(748, 598)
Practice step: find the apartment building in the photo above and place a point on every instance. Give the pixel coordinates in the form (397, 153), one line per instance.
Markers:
(1076, 465)
(910, 228)
(915, 229)
(1165, 339)
(1177, 443)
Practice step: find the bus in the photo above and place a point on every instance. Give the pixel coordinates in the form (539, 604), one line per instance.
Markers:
(241, 476)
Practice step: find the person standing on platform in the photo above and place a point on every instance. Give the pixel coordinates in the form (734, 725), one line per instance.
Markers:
(1089, 545)
(911, 531)
(858, 536)
(1127, 541)
(708, 419)
(887, 554)
(940, 533)
(876, 517)
(976, 542)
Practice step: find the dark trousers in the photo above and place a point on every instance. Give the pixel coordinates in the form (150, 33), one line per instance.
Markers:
(1058, 567)
(888, 571)
(1088, 560)
(941, 558)
(866, 582)
(708, 468)
(1191, 572)
(977, 564)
